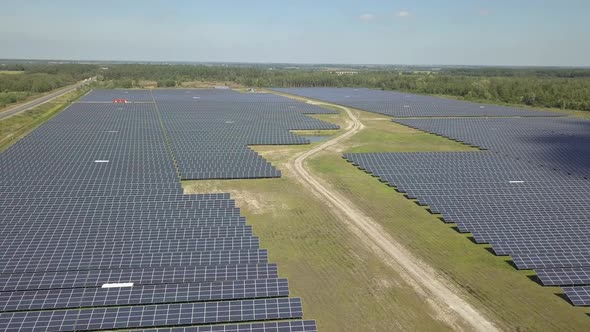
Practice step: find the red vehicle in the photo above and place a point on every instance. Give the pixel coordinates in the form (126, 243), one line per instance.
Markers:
(120, 101)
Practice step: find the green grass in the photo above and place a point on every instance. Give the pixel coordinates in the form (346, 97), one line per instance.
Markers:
(11, 72)
(315, 132)
(383, 135)
(17, 126)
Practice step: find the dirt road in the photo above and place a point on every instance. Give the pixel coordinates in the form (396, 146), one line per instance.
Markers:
(442, 296)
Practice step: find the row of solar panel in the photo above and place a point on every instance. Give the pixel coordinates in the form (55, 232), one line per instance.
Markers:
(119, 248)
(143, 276)
(152, 315)
(120, 224)
(145, 294)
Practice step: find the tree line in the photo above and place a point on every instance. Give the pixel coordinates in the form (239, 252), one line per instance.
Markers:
(32, 79)
(567, 88)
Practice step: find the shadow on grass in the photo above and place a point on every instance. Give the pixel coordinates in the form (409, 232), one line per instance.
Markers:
(511, 263)
(565, 298)
(535, 278)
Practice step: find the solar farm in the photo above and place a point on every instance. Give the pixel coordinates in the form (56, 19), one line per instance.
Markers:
(101, 233)
(525, 193)
(98, 235)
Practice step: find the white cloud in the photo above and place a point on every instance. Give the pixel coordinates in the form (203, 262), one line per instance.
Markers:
(367, 17)
(403, 13)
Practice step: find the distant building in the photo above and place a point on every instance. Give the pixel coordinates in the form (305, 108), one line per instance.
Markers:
(339, 73)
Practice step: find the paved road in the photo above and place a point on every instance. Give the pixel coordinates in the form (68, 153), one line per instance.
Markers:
(445, 299)
(42, 100)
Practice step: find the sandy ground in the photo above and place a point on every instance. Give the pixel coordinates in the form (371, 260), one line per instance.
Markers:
(446, 300)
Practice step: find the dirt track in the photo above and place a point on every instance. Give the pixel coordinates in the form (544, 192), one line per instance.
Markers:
(442, 296)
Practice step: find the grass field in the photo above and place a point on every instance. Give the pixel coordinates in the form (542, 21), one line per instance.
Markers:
(15, 127)
(11, 72)
(343, 284)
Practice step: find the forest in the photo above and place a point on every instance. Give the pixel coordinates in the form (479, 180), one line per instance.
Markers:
(566, 88)
(19, 81)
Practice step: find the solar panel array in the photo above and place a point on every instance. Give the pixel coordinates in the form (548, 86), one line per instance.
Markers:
(549, 232)
(399, 104)
(527, 195)
(536, 215)
(107, 96)
(210, 130)
(556, 143)
(96, 234)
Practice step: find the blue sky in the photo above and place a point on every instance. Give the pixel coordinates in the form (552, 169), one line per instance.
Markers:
(469, 32)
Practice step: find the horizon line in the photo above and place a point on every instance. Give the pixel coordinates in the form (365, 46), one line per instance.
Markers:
(293, 63)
